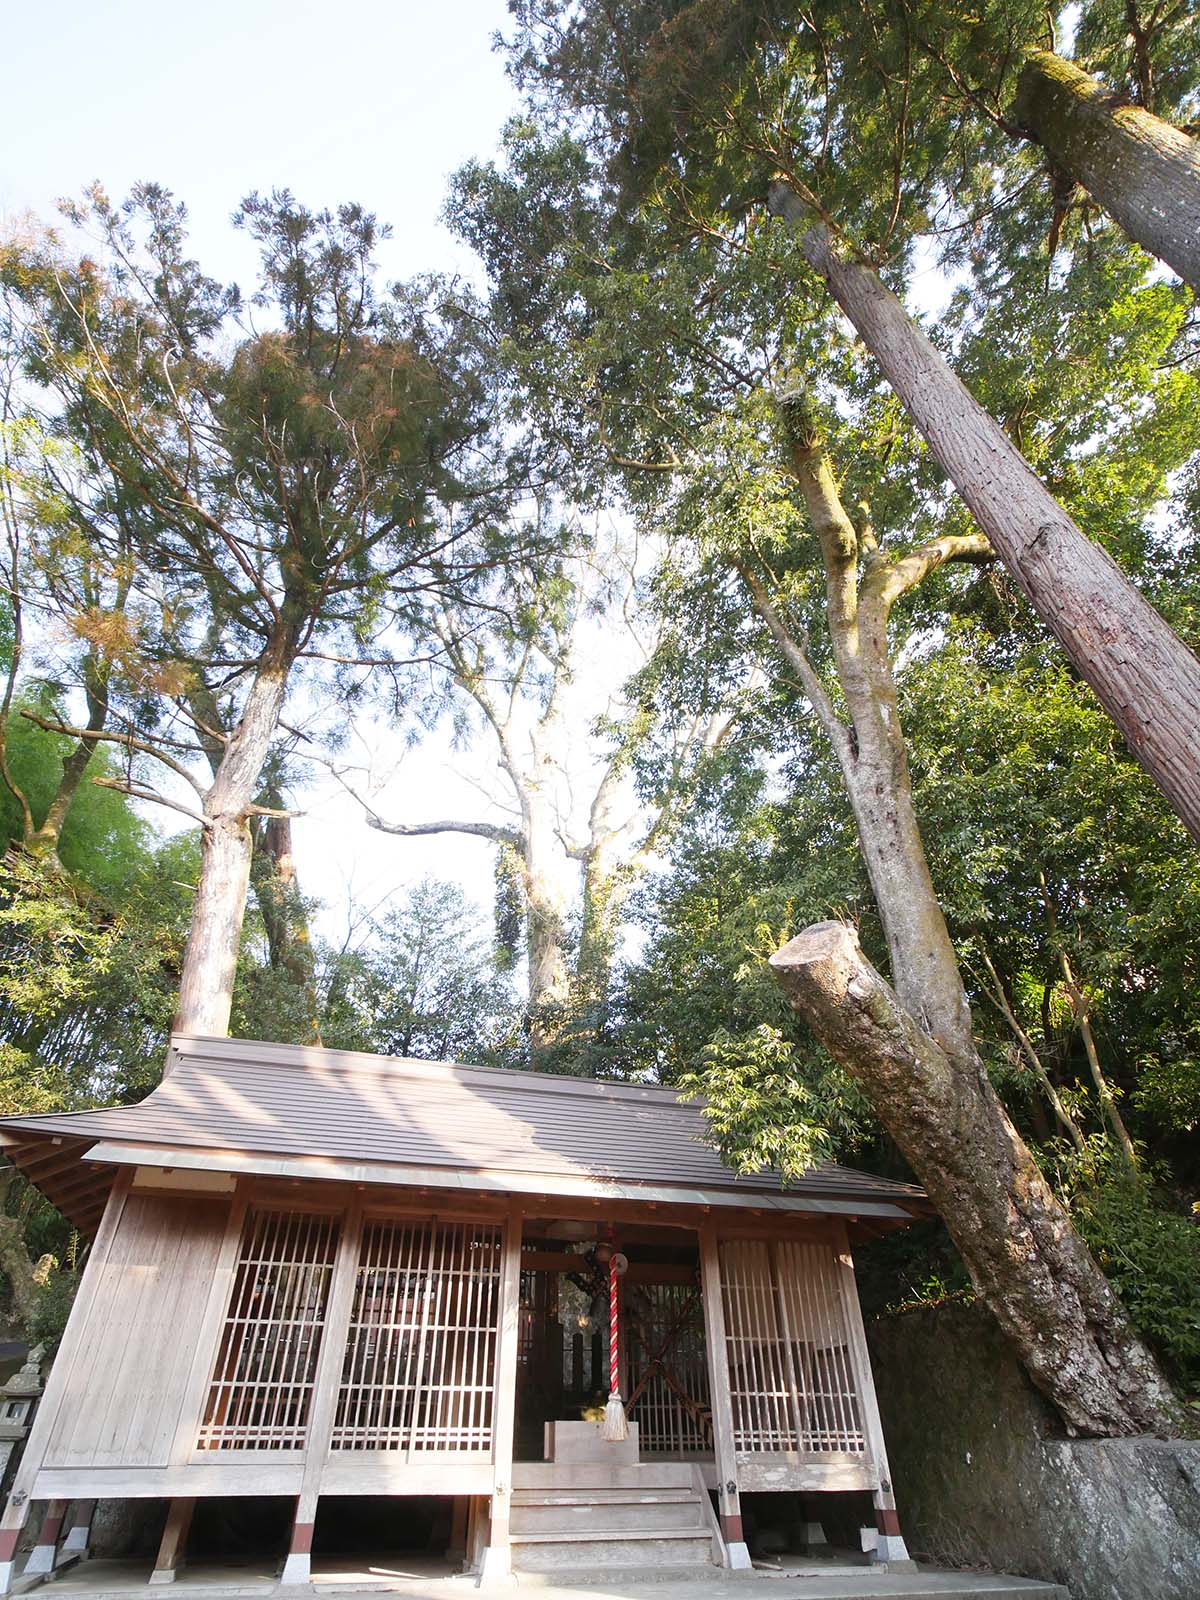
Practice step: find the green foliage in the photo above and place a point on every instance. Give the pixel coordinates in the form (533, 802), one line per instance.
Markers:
(103, 838)
(55, 1299)
(1150, 1252)
(759, 1110)
(425, 986)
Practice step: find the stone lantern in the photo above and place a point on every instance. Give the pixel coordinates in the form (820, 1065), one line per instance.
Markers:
(18, 1399)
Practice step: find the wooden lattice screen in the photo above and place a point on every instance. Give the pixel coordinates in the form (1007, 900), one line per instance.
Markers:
(262, 1380)
(668, 1370)
(419, 1368)
(791, 1377)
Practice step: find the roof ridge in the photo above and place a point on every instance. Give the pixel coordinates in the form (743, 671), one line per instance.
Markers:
(359, 1061)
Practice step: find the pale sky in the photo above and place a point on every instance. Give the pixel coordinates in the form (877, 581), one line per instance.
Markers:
(357, 100)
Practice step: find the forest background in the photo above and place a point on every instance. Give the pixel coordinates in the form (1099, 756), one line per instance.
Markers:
(605, 507)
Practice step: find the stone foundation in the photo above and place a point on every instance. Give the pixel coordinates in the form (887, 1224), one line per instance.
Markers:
(983, 1476)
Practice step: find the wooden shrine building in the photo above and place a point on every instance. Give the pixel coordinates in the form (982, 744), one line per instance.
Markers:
(317, 1273)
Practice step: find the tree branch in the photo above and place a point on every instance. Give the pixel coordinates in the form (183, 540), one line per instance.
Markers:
(888, 581)
(143, 791)
(797, 658)
(128, 740)
(480, 830)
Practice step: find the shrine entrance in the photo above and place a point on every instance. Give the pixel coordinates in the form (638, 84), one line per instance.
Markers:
(563, 1369)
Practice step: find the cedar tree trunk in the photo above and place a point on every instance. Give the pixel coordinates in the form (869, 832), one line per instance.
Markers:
(1142, 170)
(1143, 674)
(1024, 1257)
(210, 960)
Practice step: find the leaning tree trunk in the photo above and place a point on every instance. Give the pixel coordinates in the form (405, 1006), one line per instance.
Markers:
(1143, 674)
(1142, 170)
(210, 960)
(1024, 1257)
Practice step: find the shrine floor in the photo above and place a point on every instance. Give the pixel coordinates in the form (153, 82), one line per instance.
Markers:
(425, 1578)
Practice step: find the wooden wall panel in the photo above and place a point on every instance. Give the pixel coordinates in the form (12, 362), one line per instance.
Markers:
(127, 1386)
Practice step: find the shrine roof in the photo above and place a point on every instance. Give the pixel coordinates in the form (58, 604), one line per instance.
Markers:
(234, 1105)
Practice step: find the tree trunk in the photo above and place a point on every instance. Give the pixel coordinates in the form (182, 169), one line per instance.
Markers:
(273, 874)
(1142, 673)
(545, 918)
(1025, 1259)
(1142, 170)
(875, 762)
(210, 960)
(43, 841)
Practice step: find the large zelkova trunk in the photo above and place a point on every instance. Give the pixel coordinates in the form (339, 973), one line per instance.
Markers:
(609, 873)
(874, 762)
(1142, 170)
(921, 952)
(210, 960)
(1024, 1257)
(1143, 674)
(915, 1056)
(546, 909)
(605, 890)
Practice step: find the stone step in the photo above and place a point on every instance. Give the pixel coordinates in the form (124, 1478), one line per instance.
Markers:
(580, 1552)
(590, 1497)
(634, 1515)
(573, 1477)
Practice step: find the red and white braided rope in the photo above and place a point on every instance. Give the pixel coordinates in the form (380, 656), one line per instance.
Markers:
(614, 1376)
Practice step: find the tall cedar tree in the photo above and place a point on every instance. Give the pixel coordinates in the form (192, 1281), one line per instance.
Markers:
(284, 483)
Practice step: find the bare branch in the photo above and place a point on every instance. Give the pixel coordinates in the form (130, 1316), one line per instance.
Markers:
(126, 740)
(143, 791)
(481, 830)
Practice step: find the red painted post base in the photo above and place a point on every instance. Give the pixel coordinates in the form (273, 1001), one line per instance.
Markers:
(298, 1566)
(737, 1552)
(45, 1552)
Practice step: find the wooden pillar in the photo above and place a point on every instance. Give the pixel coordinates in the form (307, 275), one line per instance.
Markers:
(297, 1565)
(460, 1508)
(788, 1341)
(477, 1522)
(327, 1382)
(722, 1406)
(889, 1541)
(172, 1550)
(16, 1511)
(497, 1558)
(212, 1325)
(45, 1552)
(79, 1528)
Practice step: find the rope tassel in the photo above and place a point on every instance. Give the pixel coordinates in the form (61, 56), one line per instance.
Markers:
(614, 1428)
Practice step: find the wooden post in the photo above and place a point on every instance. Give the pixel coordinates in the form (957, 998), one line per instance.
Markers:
(45, 1552)
(212, 1323)
(477, 1519)
(789, 1344)
(889, 1544)
(327, 1382)
(17, 1510)
(456, 1550)
(172, 1551)
(497, 1558)
(79, 1530)
(722, 1406)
